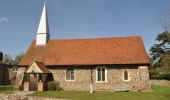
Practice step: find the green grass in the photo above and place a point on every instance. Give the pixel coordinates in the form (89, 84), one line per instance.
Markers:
(158, 93)
(6, 89)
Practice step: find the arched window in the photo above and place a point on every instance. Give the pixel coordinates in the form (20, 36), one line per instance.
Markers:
(70, 74)
(101, 74)
(126, 75)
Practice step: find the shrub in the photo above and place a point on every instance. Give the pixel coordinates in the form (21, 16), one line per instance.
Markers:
(52, 85)
(155, 77)
(165, 76)
(154, 74)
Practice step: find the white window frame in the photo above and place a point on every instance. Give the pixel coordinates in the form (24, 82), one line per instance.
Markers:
(70, 76)
(124, 74)
(101, 67)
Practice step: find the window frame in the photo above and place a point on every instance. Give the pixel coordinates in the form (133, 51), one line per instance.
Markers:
(70, 74)
(101, 67)
(128, 76)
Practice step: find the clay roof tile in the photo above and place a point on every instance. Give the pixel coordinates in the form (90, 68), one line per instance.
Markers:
(115, 50)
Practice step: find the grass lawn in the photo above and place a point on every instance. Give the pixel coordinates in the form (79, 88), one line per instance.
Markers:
(158, 93)
(6, 89)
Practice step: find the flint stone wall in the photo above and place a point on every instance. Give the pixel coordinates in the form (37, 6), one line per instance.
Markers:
(114, 81)
(19, 78)
(138, 79)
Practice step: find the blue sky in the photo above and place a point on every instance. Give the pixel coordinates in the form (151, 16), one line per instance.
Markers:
(80, 19)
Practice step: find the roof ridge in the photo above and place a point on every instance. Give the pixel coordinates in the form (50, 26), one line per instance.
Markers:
(95, 38)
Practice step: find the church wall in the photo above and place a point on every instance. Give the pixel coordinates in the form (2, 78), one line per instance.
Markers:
(138, 78)
(81, 82)
(114, 81)
(20, 77)
(144, 77)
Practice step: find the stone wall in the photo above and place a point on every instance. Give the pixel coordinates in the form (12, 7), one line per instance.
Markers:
(81, 82)
(12, 75)
(138, 78)
(160, 82)
(114, 81)
(19, 78)
(144, 78)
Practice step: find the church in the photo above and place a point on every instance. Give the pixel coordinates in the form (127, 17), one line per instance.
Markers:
(94, 64)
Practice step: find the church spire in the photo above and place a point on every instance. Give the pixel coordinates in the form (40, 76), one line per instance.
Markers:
(43, 25)
(43, 28)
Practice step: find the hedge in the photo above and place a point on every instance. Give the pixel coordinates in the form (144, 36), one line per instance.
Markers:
(52, 85)
(156, 75)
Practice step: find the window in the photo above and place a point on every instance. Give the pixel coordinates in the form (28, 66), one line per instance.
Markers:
(70, 74)
(126, 77)
(101, 74)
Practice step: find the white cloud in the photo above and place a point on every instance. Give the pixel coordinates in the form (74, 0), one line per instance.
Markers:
(4, 20)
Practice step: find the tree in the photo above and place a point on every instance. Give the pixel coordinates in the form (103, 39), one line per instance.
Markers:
(160, 52)
(7, 59)
(1, 56)
(163, 46)
(18, 58)
(165, 64)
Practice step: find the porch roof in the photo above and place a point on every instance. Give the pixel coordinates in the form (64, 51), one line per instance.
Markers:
(37, 67)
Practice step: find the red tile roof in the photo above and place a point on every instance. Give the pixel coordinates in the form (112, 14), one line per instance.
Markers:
(116, 50)
(42, 66)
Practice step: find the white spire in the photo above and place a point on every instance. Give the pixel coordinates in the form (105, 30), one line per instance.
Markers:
(43, 29)
(43, 25)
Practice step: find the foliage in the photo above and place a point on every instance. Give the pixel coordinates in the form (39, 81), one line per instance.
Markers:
(52, 85)
(7, 59)
(165, 64)
(165, 76)
(158, 93)
(1, 56)
(154, 74)
(18, 58)
(163, 47)
(160, 53)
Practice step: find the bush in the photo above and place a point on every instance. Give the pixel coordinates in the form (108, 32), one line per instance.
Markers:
(52, 85)
(154, 74)
(165, 76)
(155, 77)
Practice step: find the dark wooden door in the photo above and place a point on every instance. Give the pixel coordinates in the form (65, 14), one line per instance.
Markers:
(33, 82)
